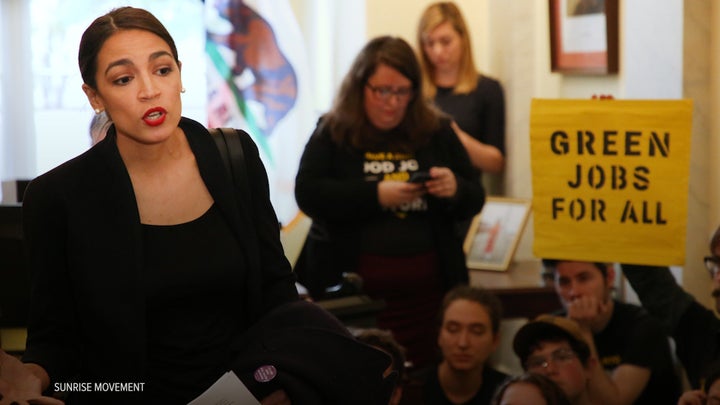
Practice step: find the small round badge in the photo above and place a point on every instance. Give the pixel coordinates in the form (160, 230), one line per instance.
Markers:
(265, 373)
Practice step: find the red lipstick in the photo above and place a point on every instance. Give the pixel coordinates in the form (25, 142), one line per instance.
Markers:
(155, 116)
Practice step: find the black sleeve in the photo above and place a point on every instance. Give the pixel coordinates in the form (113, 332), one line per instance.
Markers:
(697, 342)
(52, 323)
(493, 102)
(659, 294)
(323, 192)
(694, 328)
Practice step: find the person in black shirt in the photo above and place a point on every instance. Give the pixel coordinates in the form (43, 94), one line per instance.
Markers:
(468, 335)
(694, 327)
(368, 215)
(555, 347)
(475, 101)
(635, 364)
(151, 271)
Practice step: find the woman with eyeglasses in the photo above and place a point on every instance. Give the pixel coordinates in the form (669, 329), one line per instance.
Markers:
(556, 348)
(383, 178)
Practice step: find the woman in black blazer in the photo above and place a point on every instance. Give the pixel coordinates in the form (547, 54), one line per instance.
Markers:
(146, 262)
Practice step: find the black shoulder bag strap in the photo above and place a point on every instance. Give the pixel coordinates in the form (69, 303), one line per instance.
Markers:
(231, 151)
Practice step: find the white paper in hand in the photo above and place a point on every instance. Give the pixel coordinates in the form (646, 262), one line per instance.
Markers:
(227, 390)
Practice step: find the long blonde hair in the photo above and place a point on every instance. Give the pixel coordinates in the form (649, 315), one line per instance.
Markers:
(434, 15)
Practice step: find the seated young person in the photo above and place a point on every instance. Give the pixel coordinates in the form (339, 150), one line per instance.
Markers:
(384, 340)
(469, 334)
(635, 364)
(694, 327)
(556, 348)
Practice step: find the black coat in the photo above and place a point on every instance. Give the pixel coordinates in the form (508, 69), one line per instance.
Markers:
(313, 358)
(83, 234)
(330, 189)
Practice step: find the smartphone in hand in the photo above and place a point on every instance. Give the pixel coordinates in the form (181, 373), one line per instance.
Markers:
(419, 177)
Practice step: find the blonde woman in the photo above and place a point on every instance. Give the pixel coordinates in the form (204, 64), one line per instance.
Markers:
(474, 101)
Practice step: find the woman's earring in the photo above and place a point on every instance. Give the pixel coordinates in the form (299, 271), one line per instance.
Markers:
(98, 111)
(182, 90)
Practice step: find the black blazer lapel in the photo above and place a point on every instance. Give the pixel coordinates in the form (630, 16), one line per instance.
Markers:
(116, 263)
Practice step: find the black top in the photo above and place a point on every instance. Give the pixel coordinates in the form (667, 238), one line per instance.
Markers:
(337, 186)
(695, 328)
(633, 337)
(191, 273)
(480, 113)
(433, 394)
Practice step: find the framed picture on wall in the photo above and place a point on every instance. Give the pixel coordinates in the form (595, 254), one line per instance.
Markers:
(584, 36)
(494, 233)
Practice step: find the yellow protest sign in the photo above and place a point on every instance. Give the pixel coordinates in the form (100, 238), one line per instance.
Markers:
(610, 179)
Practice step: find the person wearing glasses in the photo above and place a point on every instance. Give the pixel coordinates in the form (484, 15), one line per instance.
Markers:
(556, 348)
(383, 178)
(694, 327)
(632, 349)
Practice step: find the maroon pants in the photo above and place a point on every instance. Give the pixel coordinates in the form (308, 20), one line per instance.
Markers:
(412, 290)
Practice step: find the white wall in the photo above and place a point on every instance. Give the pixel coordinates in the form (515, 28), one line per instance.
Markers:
(16, 92)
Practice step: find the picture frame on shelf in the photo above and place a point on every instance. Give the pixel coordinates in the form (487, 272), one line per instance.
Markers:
(494, 233)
